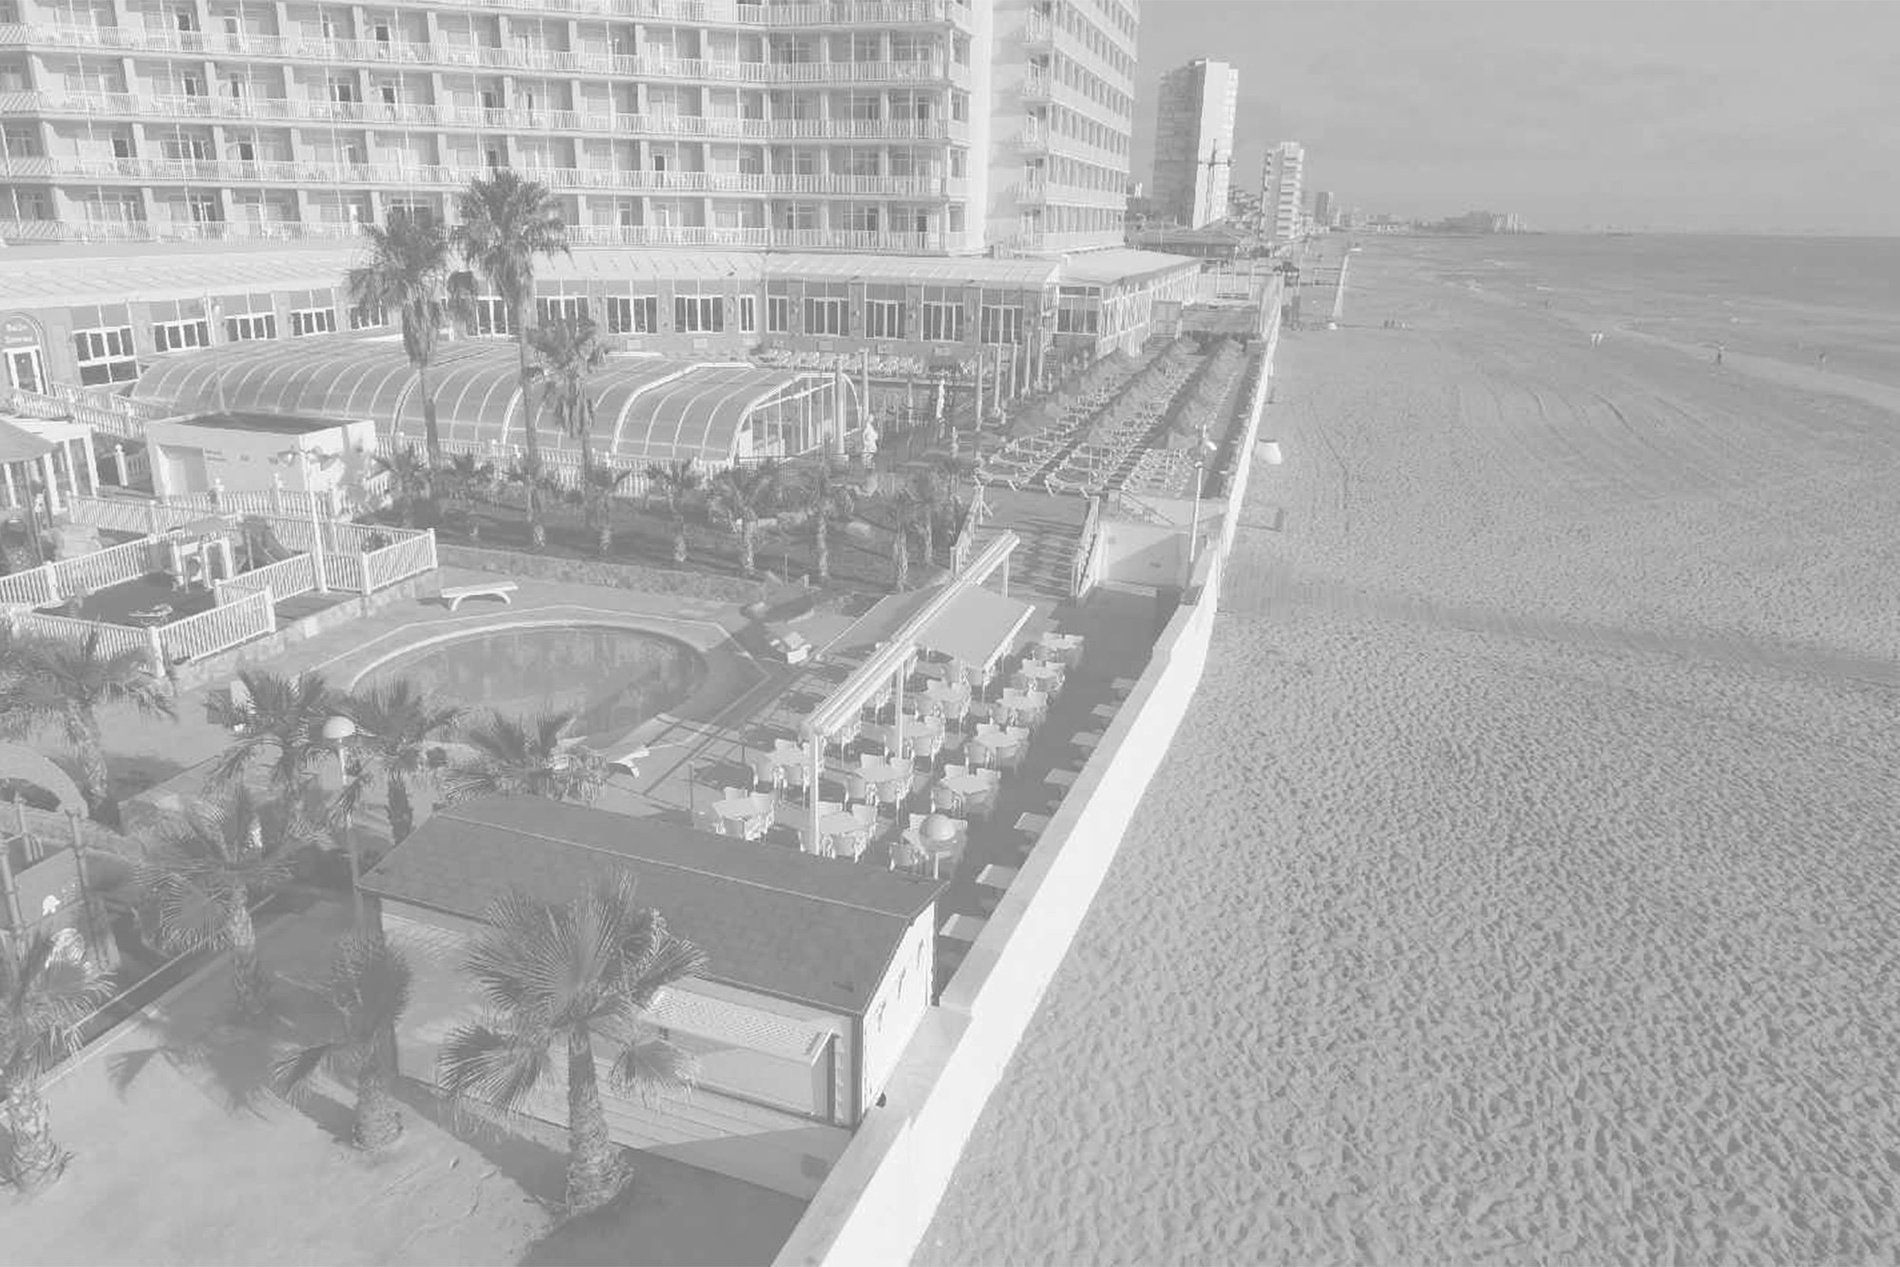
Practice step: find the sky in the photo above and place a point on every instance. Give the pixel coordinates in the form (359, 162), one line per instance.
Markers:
(1697, 115)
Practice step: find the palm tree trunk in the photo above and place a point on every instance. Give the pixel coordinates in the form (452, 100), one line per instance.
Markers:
(378, 1117)
(900, 557)
(821, 530)
(249, 980)
(92, 766)
(431, 437)
(537, 531)
(926, 534)
(593, 1163)
(679, 533)
(402, 814)
(746, 559)
(33, 1160)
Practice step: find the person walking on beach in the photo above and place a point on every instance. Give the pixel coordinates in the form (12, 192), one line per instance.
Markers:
(1718, 354)
(1824, 360)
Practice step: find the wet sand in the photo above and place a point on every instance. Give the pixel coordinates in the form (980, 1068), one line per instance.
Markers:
(1521, 887)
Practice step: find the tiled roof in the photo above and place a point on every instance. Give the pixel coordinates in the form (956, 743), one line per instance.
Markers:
(777, 921)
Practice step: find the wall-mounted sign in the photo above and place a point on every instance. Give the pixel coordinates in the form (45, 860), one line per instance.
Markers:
(20, 331)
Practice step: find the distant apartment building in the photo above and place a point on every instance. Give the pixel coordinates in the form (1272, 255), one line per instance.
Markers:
(1194, 142)
(1281, 190)
(1323, 209)
(902, 126)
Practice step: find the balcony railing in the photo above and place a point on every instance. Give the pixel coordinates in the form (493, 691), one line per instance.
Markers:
(332, 52)
(94, 105)
(580, 235)
(301, 172)
(1036, 84)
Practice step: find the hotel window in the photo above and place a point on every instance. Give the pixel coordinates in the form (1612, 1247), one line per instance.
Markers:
(105, 355)
(312, 321)
(255, 325)
(778, 314)
(368, 317)
(884, 319)
(170, 336)
(491, 317)
(638, 314)
(859, 218)
(1076, 311)
(824, 316)
(699, 314)
(749, 314)
(560, 308)
(1002, 324)
(943, 320)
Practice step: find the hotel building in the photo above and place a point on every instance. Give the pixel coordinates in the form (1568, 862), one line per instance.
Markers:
(906, 126)
(1280, 190)
(1194, 142)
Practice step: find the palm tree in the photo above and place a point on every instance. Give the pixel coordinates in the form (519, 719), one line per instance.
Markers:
(398, 731)
(824, 498)
(469, 478)
(409, 479)
(369, 987)
(742, 494)
(553, 977)
(410, 271)
(45, 994)
(597, 497)
(675, 480)
(59, 685)
(506, 222)
(925, 503)
(275, 717)
(209, 870)
(531, 756)
(569, 350)
(900, 540)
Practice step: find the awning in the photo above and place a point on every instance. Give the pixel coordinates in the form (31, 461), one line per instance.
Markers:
(17, 444)
(978, 626)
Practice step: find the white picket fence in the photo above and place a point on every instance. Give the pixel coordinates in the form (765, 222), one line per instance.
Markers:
(102, 569)
(286, 578)
(31, 588)
(121, 515)
(113, 639)
(344, 572)
(410, 557)
(269, 501)
(251, 615)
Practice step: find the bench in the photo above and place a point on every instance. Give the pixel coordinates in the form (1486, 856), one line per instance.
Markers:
(454, 594)
(961, 927)
(1087, 739)
(1105, 711)
(996, 877)
(1061, 778)
(1123, 685)
(1035, 823)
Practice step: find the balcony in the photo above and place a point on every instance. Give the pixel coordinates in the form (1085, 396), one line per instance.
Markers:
(281, 172)
(763, 239)
(1039, 32)
(1034, 138)
(333, 52)
(132, 107)
(1036, 85)
(25, 232)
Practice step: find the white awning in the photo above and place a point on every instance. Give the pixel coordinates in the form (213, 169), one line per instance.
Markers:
(977, 626)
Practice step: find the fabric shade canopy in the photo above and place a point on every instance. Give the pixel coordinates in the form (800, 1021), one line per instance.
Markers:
(17, 445)
(977, 627)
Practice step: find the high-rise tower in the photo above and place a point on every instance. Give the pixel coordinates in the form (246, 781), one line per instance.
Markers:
(1194, 141)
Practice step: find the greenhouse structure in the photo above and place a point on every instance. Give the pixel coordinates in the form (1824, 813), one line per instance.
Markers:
(646, 409)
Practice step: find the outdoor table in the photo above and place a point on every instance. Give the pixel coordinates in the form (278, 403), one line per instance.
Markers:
(995, 743)
(919, 839)
(1066, 648)
(831, 827)
(965, 784)
(748, 810)
(884, 773)
(1043, 677)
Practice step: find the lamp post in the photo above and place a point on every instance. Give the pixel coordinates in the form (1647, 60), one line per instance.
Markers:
(1202, 451)
(338, 731)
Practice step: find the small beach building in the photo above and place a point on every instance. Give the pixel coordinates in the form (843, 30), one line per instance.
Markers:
(253, 452)
(819, 971)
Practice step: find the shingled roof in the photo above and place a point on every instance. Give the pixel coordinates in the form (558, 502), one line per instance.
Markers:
(776, 921)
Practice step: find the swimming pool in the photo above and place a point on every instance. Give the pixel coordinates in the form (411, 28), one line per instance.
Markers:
(615, 678)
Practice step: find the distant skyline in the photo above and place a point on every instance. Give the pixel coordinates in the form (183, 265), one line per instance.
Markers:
(1717, 115)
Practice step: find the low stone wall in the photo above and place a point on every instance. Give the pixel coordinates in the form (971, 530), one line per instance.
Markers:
(225, 664)
(880, 1196)
(625, 576)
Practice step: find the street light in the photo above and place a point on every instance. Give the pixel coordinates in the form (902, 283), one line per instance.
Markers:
(338, 731)
(1202, 451)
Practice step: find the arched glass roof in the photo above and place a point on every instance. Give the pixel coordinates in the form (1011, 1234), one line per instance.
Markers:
(646, 408)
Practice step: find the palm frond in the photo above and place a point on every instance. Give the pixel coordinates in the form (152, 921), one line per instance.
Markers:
(290, 1074)
(650, 1066)
(492, 1065)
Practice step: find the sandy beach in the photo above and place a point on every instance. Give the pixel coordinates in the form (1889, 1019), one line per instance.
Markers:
(1521, 887)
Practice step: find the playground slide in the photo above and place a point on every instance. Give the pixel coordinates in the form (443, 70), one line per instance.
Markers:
(262, 543)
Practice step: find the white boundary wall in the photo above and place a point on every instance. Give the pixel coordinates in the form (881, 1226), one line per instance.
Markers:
(879, 1198)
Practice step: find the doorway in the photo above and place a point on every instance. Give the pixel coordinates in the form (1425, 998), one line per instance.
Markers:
(25, 371)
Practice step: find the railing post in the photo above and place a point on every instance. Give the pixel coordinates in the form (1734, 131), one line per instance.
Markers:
(52, 582)
(118, 466)
(156, 645)
(270, 609)
(362, 561)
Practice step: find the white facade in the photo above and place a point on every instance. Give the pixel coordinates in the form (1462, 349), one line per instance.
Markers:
(1194, 142)
(912, 126)
(1281, 190)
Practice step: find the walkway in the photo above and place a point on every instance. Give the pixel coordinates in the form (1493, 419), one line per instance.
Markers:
(1050, 527)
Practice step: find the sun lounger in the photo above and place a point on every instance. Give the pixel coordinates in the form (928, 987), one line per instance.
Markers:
(453, 595)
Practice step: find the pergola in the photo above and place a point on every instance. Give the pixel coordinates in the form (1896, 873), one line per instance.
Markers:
(962, 620)
(51, 445)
